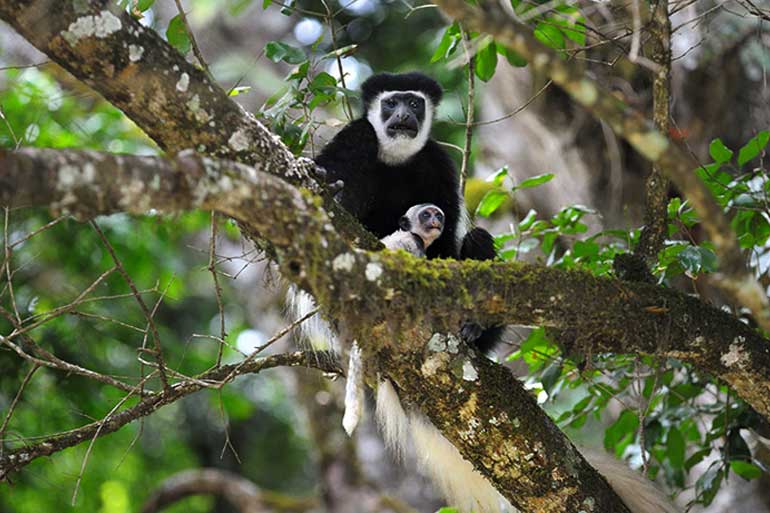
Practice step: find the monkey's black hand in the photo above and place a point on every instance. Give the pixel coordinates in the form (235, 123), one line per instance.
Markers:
(470, 332)
(335, 190)
(320, 173)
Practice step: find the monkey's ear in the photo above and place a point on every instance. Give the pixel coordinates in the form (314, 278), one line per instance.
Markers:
(404, 223)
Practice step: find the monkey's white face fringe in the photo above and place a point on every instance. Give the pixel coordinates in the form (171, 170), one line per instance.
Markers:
(397, 150)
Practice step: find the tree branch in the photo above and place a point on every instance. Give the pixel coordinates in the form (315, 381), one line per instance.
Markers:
(174, 102)
(311, 254)
(16, 459)
(734, 277)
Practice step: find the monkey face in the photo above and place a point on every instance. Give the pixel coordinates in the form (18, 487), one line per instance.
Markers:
(402, 114)
(427, 222)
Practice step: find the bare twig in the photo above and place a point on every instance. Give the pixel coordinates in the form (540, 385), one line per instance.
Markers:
(195, 48)
(469, 114)
(148, 315)
(217, 287)
(15, 401)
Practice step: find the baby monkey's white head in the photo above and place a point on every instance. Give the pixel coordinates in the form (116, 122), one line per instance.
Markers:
(425, 220)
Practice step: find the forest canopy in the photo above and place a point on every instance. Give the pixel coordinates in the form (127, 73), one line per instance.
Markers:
(159, 195)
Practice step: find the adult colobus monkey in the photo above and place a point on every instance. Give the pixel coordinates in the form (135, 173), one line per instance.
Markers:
(387, 163)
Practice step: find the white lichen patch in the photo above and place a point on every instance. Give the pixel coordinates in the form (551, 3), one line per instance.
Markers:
(343, 262)
(651, 144)
(437, 343)
(373, 271)
(239, 141)
(469, 371)
(452, 344)
(183, 83)
(194, 104)
(70, 176)
(135, 53)
(99, 26)
(433, 363)
(736, 355)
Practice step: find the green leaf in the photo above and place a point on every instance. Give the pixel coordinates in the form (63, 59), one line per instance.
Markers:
(690, 259)
(235, 91)
(572, 23)
(491, 202)
(752, 148)
(719, 152)
(486, 61)
(143, 5)
(707, 485)
(745, 469)
(277, 51)
(528, 220)
(498, 177)
(177, 35)
(621, 432)
(513, 58)
(448, 42)
(534, 181)
(550, 36)
(675, 447)
(266, 3)
(550, 377)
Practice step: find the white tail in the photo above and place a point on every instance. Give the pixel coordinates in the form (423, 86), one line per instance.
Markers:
(467, 490)
(354, 390)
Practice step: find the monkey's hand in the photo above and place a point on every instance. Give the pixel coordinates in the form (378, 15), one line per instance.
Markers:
(470, 331)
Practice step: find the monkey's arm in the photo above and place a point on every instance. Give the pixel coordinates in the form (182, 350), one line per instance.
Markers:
(349, 157)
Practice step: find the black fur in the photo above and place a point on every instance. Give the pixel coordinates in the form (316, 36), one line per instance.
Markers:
(378, 193)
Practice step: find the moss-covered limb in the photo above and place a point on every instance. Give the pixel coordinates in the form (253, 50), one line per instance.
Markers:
(608, 314)
(17, 459)
(498, 426)
(734, 279)
(174, 102)
(366, 288)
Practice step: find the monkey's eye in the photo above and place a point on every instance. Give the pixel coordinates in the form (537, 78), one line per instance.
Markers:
(424, 216)
(413, 104)
(390, 102)
(440, 217)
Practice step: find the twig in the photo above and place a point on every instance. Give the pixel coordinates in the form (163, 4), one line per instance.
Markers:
(270, 342)
(470, 111)
(87, 455)
(139, 300)
(13, 461)
(333, 32)
(195, 48)
(15, 401)
(654, 232)
(217, 286)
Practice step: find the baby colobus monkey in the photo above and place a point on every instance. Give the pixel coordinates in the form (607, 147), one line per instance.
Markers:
(419, 227)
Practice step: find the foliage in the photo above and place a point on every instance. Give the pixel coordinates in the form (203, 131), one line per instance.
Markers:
(681, 425)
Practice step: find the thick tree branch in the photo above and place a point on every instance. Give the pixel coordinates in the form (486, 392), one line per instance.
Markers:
(734, 278)
(369, 290)
(174, 102)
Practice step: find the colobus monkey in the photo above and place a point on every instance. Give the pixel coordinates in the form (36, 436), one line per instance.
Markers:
(419, 227)
(387, 163)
